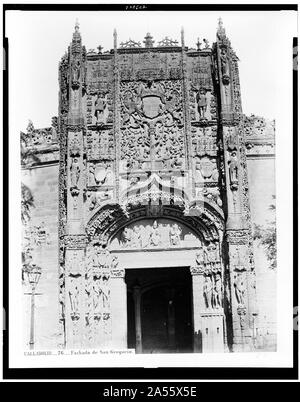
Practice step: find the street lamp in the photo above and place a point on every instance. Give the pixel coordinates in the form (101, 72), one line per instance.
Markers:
(33, 273)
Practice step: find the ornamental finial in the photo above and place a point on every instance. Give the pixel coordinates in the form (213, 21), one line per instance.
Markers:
(76, 34)
(76, 25)
(221, 30)
(182, 37)
(148, 40)
(115, 39)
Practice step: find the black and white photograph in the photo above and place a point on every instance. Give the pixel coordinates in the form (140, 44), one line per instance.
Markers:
(150, 187)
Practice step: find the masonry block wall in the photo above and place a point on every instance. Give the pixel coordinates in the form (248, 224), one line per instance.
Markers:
(42, 228)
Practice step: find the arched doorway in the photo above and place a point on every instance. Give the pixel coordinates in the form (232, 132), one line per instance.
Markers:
(159, 310)
(161, 240)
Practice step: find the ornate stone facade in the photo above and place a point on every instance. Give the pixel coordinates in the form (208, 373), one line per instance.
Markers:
(152, 145)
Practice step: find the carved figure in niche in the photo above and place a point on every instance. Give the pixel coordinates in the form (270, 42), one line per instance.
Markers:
(74, 172)
(104, 144)
(74, 295)
(175, 233)
(100, 105)
(240, 289)
(224, 66)
(231, 140)
(208, 290)
(233, 171)
(76, 71)
(201, 102)
(217, 293)
(154, 238)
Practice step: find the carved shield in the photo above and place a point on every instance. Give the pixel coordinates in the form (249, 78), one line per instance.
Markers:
(206, 167)
(151, 106)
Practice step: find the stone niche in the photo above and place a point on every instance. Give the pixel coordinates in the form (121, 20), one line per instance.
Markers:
(154, 234)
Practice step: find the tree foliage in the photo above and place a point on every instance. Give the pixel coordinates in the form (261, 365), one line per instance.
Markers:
(266, 235)
(28, 158)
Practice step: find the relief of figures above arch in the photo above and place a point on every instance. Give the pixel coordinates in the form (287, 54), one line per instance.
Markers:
(152, 126)
(154, 233)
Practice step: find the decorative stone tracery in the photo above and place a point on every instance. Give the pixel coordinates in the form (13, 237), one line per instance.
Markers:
(153, 157)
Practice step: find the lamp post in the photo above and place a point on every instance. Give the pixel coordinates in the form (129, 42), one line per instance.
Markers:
(33, 274)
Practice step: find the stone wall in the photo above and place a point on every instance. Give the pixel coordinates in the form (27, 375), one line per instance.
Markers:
(261, 173)
(42, 229)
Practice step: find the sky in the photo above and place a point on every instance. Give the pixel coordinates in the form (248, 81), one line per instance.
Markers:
(37, 41)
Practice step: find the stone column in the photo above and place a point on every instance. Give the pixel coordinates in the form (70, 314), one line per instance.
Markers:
(137, 313)
(118, 304)
(198, 306)
(237, 237)
(171, 318)
(240, 275)
(74, 288)
(208, 320)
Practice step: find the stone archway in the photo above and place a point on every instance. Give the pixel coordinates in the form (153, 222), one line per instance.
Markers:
(159, 310)
(96, 295)
(157, 243)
